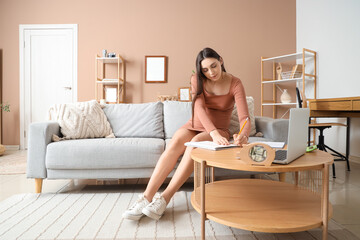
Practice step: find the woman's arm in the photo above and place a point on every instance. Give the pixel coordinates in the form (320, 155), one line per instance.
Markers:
(200, 111)
(243, 113)
(199, 107)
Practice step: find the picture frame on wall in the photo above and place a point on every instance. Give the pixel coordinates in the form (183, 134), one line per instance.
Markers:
(184, 94)
(155, 69)
(111, 94)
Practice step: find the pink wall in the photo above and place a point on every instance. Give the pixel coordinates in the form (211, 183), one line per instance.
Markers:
(240, 30)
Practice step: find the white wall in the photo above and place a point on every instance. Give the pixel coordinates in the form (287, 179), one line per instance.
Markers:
(332, 29)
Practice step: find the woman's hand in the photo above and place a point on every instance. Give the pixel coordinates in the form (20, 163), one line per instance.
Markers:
(240, 139)
(217, 138)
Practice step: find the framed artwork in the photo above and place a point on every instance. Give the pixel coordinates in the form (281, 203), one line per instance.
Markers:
(184, 94)
(111, 94)
(155, 69)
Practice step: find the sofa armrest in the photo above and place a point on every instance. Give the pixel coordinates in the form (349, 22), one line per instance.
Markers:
(275, 129)
(40, 135)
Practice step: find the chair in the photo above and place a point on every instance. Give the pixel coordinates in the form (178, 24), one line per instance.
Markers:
(321, 127)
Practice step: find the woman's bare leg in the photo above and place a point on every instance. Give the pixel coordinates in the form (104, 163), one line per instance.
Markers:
(167, 161)
(185, 168)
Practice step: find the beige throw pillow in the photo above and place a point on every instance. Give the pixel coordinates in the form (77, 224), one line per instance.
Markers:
(234, 121)
(80, 120)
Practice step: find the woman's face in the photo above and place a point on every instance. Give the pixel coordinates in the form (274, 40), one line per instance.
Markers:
(211, 68)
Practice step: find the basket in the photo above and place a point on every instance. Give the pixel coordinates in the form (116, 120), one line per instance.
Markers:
(291, 75)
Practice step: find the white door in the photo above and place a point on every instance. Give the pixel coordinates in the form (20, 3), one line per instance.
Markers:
(49, 71)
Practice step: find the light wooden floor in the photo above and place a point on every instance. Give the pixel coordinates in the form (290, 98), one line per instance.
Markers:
(344, 190)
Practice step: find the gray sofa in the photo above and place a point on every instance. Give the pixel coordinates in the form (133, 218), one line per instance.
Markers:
(142, 133)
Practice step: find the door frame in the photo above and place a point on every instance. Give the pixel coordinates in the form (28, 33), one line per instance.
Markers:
(22, 29)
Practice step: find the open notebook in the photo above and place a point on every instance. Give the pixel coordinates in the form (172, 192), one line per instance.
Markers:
(209, 145)
(213, 146)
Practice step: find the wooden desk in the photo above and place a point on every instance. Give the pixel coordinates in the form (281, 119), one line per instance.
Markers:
(337, 107)
(262, 205)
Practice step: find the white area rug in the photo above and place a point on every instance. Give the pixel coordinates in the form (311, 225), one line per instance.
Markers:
(98, 216)
(13, 162)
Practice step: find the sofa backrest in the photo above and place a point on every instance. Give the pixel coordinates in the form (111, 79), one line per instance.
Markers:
(136, 120)
(176, 114)
(160, 119)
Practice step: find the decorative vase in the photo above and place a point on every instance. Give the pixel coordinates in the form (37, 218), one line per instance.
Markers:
(285, 97)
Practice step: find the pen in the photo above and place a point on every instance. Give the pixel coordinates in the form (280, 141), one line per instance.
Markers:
(243, 125)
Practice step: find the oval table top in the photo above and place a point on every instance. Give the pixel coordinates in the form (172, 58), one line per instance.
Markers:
(227, 159)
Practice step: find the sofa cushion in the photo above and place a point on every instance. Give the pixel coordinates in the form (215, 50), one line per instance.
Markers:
(105, 153)
(176, 114)
(81, 120)
(234, 121)
(136, 120)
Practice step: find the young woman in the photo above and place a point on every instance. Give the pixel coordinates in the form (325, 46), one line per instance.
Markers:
(214, 93)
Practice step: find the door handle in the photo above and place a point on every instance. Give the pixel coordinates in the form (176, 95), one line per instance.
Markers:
(67, 88)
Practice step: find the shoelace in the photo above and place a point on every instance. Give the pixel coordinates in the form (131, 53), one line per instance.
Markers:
(157, 203)
(139, 200)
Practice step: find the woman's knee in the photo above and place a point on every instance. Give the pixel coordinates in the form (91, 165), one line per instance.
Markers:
(200, 137)
(182, 136)
(177, 144)
(195, 139)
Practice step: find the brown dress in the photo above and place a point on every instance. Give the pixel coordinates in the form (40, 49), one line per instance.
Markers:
(214, 111)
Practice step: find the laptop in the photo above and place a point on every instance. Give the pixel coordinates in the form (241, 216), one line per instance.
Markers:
(297, 136)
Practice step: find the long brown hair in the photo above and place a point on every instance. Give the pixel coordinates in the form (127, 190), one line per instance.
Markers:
(205, 53)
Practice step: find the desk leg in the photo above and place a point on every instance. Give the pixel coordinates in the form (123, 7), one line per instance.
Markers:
(325, 201)
(347, 142)
(202, 197)
(296, 178)
(282, 176)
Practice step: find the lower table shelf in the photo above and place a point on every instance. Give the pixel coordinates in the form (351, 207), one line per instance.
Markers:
(261, 205)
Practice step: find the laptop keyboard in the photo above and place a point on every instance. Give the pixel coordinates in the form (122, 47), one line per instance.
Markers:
(280, 155)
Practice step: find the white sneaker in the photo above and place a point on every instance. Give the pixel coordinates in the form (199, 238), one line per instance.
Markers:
(135, 211)
(156, 208)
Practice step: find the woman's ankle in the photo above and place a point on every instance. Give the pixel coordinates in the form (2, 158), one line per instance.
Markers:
(147, 197)
(166, 197)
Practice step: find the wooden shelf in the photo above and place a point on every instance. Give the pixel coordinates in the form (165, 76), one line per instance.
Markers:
(288, 57)
(109, 60)
(112, 82)
(278, 104)
(287, 80)
(106, 83)
(261, 205)
(308, 58)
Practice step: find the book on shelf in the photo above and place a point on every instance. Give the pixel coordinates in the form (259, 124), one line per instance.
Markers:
(209, 145)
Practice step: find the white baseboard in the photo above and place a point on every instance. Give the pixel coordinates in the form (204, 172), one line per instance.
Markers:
(354, 159)
(12, 147)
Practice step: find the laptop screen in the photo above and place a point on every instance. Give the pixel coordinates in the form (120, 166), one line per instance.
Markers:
(298, 132)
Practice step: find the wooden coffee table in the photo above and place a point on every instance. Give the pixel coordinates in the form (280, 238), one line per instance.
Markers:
(263, 205)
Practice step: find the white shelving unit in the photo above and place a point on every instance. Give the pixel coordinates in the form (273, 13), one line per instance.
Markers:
(306, 56)
(119, 82)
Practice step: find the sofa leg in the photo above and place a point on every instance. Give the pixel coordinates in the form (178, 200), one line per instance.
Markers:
(38, 185)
